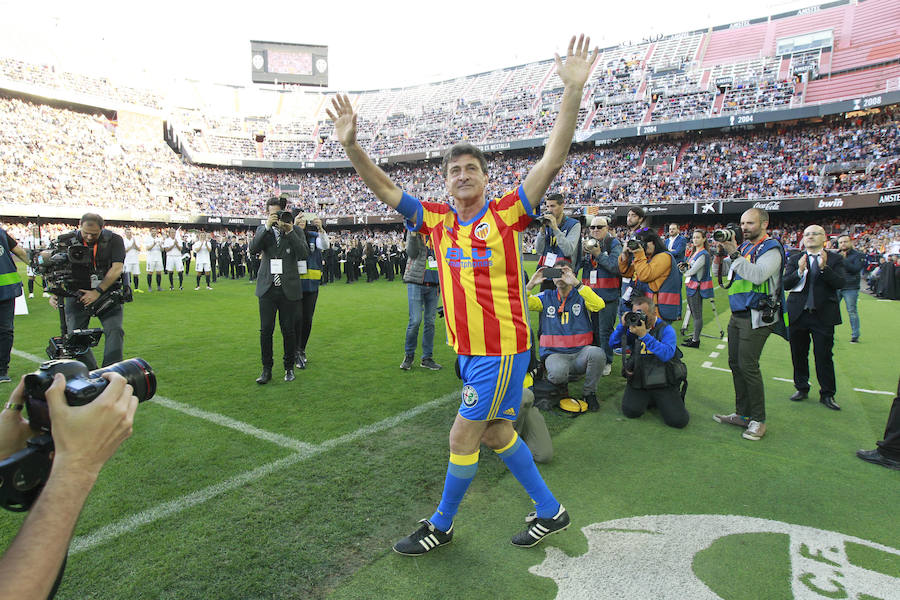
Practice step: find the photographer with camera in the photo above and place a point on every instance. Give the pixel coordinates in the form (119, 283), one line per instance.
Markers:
(423, 289)
(600, 272)
(566, 329)
(95, 280)
(310, 269)
(280, 245)
(651, 271)
(559, 237)
(10, 289)
(84, 438)
(654, 372)
(697, 283)
(755, 295)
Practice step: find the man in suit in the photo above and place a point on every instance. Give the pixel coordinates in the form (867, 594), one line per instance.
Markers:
(814, 277)
(278, 283)
(676, 243)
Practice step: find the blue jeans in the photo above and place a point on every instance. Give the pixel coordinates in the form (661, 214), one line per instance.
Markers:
(604, 322)
(423, 301)
(851, 297)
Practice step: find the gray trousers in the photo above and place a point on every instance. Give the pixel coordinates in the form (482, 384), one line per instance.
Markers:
(79, 318)
(695, 303)
(532, 428)
(589, 361)
(745, 345)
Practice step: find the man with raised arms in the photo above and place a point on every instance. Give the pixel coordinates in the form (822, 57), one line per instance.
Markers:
(480, 269)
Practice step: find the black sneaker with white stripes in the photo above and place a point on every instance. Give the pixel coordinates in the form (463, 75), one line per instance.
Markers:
(539, 528)
(425, 538)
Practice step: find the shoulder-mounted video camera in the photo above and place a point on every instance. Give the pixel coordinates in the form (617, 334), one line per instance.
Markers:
(67, 263)
(22, 475)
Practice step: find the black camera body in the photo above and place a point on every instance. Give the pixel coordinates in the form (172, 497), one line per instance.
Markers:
(23, 475)
(551, 273)
(57, 264)
(82, 386)
(634, 318)
(633, 245)
(768, 309)
(285, 216)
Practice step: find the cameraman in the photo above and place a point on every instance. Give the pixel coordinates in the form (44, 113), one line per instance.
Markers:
(10, 289)
(559, 237)
(650, 270)
(84, 438)
(757, 309)
(652, 369)
(600, 272)
(107, 251)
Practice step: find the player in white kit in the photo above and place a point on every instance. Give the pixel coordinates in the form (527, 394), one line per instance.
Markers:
(153, 248)
(172, 247)
(132, 265)
(202, 249)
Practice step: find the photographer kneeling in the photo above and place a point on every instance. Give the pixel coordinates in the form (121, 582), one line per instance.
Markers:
(93, 281)
(654, 370)
(84, 437)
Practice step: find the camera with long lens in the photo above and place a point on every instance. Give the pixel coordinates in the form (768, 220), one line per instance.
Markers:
(730, 232)
(635, 318)
(285, 216)
(768, 309)
(591, 243)
(22, 475)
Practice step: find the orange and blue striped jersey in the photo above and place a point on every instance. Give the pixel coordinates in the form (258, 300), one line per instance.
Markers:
(480, 269)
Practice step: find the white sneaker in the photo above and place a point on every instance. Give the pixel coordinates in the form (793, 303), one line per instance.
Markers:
(46, 295)
(209, 288)
(196, 288)
(31, 295)
(607, 369)
(755, 431)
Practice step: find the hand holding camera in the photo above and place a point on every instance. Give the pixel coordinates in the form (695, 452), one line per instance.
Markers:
(637, 322)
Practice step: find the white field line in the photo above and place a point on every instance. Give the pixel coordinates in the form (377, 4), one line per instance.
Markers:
(28, 356)
(873, 391)
(720, 347)
(128, 524)
(783, 379)
(224, 421)
(708, 365)
(714, 355)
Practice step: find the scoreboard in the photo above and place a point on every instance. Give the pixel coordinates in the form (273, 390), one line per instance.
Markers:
(277, 62)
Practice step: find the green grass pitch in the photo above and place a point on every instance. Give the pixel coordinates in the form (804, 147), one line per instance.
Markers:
(230, 490)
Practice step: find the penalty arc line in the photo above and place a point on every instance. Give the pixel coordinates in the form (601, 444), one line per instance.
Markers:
(128, 524)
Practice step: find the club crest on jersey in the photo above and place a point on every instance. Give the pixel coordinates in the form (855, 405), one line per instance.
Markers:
(456, 258)
(469, 396)
(482, 231)
(576, 309)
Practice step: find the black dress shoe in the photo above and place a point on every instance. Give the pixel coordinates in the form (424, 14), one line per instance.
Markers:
(289, 375)
(877, 458)
(830, 403)
(800, 395)
(691, 343)
(264, 377)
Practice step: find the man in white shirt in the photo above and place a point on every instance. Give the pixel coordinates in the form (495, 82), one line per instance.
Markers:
(172, 247)
(34, 244)
(202, 249)
(132, 265)
(153, 247)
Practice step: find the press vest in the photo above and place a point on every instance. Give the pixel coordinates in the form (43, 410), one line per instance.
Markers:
(565, 324)
(743, 294)
(567, 225)
(10, 281)
(309, 281)
(607, 283)
(668, 297)
(703, 281)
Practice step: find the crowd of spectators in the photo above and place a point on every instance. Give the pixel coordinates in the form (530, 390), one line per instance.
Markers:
(56, 157)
